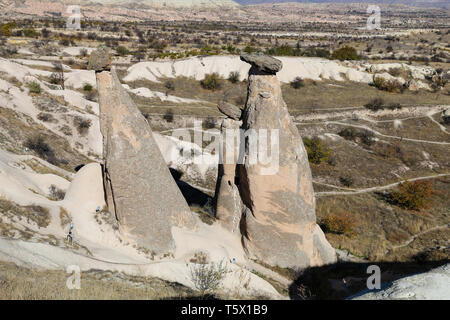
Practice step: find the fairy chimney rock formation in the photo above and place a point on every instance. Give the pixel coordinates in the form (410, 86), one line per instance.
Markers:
(276, 210)
(139, 188)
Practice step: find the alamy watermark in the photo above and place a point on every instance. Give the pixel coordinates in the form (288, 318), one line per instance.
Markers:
(233, 146)
(74, 20)
(374, 20)
(74, 280)
(374, 281)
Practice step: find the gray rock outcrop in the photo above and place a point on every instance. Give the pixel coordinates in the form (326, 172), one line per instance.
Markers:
(277, 220)
(138, 185)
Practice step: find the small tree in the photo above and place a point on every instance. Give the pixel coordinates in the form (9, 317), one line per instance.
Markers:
(34, 87)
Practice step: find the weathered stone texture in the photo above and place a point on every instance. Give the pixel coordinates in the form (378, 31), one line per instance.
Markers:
(139, 187)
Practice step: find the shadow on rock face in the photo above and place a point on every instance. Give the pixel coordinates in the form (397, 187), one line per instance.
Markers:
(344, 279)
(192, 195)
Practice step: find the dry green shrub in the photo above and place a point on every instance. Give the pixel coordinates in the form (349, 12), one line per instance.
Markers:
(375, 104)
(207, 278)
(56, 193)
(317, 151)
(82, 125)
(393, 86)
(345, 53)
(358, 135)
(414, 195)
(297, 83)
(233, 77)
(211, 82)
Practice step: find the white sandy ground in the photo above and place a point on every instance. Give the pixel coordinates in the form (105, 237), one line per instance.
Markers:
(304, 67)
(75, 51)
(147, 93)
(197, 67)
(19, 100)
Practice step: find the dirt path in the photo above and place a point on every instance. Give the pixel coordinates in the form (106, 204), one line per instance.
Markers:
(363, 113)
(379, 188)
(414, 237)
(443, 129)
(384, 135)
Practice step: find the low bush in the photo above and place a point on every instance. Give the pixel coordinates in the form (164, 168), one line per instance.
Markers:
(211, 82)
(207, 278)
(413, 195)
(87, 87)
(297, 83)
(375, 104)
(317, 151)
(233, 77)
(339, 223)
(361, 135)
(122, 51)
(345, 53)
(38, 145)
(168, 116)
(56, 193)
(82, 124)
(393, 86)
(34, 87)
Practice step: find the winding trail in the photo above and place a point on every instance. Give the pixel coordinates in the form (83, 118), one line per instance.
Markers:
(379, 188)
(414, 237)
(384, 135)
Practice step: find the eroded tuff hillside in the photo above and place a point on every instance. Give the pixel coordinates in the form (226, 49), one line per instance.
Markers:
(45, 135)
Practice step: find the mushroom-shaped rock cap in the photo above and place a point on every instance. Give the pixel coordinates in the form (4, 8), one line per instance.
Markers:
(262, 62)
(100, 60)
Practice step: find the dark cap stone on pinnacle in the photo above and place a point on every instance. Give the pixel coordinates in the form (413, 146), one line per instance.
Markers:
(262, 63)
(100, 60)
